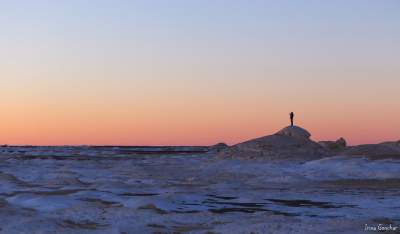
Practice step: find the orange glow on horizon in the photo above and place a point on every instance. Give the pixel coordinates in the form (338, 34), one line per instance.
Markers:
(195, 73)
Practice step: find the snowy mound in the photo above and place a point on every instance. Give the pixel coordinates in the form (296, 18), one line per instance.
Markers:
(295, 131)
(392, 143)
(375, 151)
(338, 145)
(289, 143)
(218, 147)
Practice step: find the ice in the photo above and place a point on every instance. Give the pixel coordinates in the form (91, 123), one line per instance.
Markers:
(194, 193)
(41, 203)
(344, 167)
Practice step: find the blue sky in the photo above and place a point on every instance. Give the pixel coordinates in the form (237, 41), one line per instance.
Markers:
(157, 58)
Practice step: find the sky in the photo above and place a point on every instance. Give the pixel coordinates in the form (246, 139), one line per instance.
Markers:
(197, 72)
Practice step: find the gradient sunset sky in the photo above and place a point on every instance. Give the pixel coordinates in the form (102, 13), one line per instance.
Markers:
(197, 72)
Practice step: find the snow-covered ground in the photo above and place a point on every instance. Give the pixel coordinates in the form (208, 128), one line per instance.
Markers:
(96, 190)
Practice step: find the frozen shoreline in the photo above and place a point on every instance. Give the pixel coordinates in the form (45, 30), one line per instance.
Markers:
(194, 193)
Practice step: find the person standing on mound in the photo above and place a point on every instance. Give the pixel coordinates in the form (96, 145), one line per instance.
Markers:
(291, 118)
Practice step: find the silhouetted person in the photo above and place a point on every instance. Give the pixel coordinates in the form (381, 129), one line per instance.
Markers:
(291, 118)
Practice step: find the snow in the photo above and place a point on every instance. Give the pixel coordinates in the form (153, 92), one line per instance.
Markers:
(198, 193)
